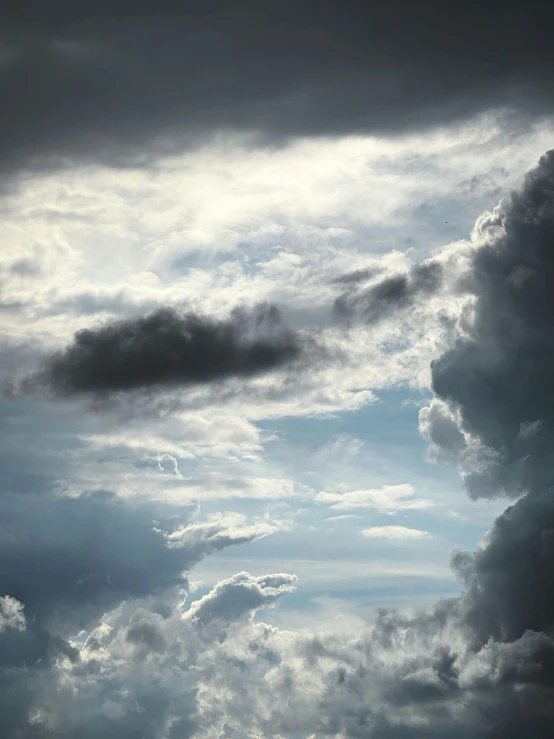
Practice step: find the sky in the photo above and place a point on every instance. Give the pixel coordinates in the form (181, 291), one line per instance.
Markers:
(276, 349)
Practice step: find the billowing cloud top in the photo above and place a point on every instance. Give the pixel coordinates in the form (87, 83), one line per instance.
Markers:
(494, 412)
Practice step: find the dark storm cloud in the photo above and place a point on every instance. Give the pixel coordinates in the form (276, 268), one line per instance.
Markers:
(509, 582)
(122, 82)
(498, 376)
(166, 348)
(494, 416)
(359, 275)
(72, 559)
(425, 684)
(389, 295)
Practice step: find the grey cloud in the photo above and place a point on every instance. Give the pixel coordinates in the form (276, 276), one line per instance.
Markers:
(24, 268)
(123, 82)
(406, 676)
(497, 378)
(359, 275)
(509, 582)
(147, 636)
(68, 560)
(141, 674)
(394, 293)
(166, 348)
(28, 656)
(485, 181)
(438, 425)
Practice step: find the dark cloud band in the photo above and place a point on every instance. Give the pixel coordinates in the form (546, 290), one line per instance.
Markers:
(167, 349)
(391, 294)
(121, 82)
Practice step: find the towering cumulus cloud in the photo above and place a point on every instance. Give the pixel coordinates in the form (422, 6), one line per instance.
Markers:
(494, 416)
(165, 348)
(494, 387)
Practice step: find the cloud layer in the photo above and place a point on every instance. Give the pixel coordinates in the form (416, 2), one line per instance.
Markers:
(124, 81)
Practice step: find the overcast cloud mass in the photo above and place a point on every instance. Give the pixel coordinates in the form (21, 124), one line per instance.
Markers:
(276, 308)
(122, 81)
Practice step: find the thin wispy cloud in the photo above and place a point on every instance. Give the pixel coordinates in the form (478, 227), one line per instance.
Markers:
(387, 499)
(393, 533)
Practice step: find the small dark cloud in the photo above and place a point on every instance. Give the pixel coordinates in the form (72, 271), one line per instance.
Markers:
(359, 275)
(25, 268)
(169, 349)
(147, 636)
(389, 295)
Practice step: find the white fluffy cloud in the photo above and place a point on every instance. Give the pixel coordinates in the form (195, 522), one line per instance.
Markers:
(11, 614)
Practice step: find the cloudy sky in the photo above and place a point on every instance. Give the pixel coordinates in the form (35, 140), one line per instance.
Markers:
(276, 402)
